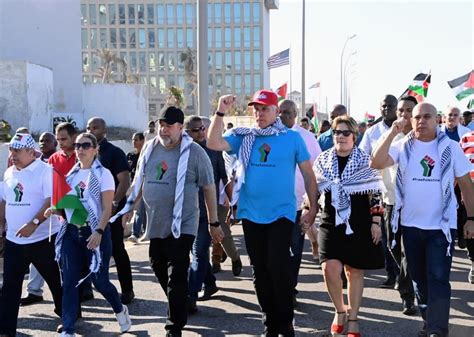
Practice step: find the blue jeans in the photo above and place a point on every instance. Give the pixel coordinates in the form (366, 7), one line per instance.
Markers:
(35, 282)
(200, 270)
(139, 220)
(296, 250)
(74, 254)
(429, 268)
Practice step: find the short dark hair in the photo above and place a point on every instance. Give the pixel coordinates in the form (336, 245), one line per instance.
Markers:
(191, 119)
(409, 99)
(231, 125)
(70, 129)
(326, 123)
(140, 135)
(467, 113)
(304, 119)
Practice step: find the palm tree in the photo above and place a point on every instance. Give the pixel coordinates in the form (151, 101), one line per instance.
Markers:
(188, 58)
(108, 58)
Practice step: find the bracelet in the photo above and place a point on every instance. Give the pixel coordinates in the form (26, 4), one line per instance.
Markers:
(220, 114)
(215, 224)
(470, 218)
(100, 231)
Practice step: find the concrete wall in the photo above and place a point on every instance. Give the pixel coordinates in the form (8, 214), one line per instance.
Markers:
(26, 95)
(46, 32)
(124, 105)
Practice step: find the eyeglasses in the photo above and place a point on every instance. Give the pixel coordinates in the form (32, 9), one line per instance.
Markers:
(201, 128)
(85, 146)
(345, 133)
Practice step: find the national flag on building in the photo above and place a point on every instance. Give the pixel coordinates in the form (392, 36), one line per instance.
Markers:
(463, 86)
(315, 85)
(65, 197)
(280, 59)
(281, 92)
(418, 87)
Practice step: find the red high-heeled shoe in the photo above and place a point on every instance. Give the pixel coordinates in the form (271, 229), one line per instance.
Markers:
(337, 329)
(353, 334)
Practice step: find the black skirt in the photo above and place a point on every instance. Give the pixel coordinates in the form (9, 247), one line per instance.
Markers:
(356, 250)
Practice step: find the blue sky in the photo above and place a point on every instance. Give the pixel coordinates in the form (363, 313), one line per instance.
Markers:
(395, 41)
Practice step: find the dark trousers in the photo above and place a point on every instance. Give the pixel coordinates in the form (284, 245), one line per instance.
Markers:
(390, 264)
(16, 261)
(122, 261)
(461, 213)
(405, 284)
(169, 259)
(297, 245)
(268, 247)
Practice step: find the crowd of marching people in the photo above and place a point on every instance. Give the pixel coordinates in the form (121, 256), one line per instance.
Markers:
(396, 193)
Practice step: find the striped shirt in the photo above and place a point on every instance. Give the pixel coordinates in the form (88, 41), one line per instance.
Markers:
(467, 145)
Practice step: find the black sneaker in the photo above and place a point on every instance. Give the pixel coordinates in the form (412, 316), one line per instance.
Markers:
(30, 299)
(409, 308)
(127, 297)
(389, 283)
(208, 292)
(237, 267)
(216, 267)
(223, 257)
(191, 306)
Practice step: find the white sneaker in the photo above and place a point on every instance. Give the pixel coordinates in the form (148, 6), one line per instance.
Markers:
(471, 275)
(123, 319)
(132, 238)
(65, 334)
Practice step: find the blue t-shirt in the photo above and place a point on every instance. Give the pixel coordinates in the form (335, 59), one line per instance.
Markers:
(268, 193)
(325, 140)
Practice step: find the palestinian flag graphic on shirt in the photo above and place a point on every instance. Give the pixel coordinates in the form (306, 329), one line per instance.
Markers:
(66, 197)
(281, 92)
(419, 87)
(463, 86)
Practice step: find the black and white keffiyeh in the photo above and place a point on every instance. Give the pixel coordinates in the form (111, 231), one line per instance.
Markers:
(357, 178)
(94, 203)
(243, 157)
(145, 154)
(447, 182)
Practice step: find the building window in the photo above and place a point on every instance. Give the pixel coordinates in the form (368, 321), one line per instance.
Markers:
(209, 38)
(218, 13)
(131, 14)
(181, 81)
(84, 39)
(189, 37)
(171, 80)
(153, 86)
(151, 61)
(93, 14)
(209, 60)
(218, 60)
(247, 37)
(103, 38)
(142, 56)
(161, 61)
(246, 60)
(246, 12)
(218, 37)
(170, 14)
(142, 38)
(84, 15)
(179, 14)
(219, 83)
(211, 83)
(238, 84)
(150, 13)
(112, 15)
(256, 81)
(141, 14)
(179, 37)
(102, 14)
(160, 14)
(228, 61)
(210, 17)
(180, 61)
(256, 37)
(237, 60)
(151, 38)
(237, 37)
(228, 83)
(227, 38)
(256, 12)
(171, 62)
(93, 35)
(170, 37)
(85, 62)
(121, 14)
(161, 38)
(113, 38)
(95, 61)
(227, 16)
(247, 85)
(190, 13)
(143, 79)
(256, 60)
(237, 12)
(162, 84)
(132, 38)
(133, 62)
(123, 38)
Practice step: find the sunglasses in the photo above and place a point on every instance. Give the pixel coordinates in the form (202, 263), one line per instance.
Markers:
(345, 133)
(85, 146)
(201, 128)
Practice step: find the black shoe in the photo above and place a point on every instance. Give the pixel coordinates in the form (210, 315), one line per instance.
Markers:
(461, 242)
(87, 297)
(409, 308)
(295, 302)
(30, 299)
(389, 283)
(237, 267)
(208, 292)
(216, 267)
(176, 333)
(223, 257)
(127, 297)
(191, 306)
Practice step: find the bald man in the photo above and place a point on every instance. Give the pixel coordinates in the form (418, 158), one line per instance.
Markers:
(453, 127)
(429, 163)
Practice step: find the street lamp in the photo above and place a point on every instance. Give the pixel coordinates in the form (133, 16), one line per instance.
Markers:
(346, 69)
(342, 57)
(348, 86)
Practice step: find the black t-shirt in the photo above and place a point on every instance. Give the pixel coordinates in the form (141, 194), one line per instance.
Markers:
(132, 158)
(113, 159)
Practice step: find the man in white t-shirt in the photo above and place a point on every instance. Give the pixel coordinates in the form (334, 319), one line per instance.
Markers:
(26, 194)
(428, 165)
(288, 115)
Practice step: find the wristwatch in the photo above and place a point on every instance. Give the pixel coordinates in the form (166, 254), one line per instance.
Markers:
(35, 221)
(215, 224)
(220, 114)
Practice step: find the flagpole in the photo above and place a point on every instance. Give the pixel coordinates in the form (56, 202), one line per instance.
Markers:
(303, 85)
(290, 70)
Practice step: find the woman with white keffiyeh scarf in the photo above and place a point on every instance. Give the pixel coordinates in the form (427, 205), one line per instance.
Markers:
(84, 239)
(349, 234)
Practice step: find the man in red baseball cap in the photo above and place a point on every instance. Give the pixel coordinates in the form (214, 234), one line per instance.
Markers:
(267, 155)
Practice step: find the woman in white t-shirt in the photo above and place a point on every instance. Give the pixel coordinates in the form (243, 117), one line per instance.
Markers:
(84, 236)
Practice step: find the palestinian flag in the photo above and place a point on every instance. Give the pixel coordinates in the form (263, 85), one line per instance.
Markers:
(312, 115)
(65, 197)
(368, 117)
(470, 105)
(463, 86)
(419, 87)
(281, 92)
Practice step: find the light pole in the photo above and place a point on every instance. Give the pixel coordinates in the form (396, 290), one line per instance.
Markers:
(202, 63)
(303, 82)
(348, 93)
(344, 92)
(342, 57)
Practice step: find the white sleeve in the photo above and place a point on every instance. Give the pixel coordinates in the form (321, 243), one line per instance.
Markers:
(107, 181)
(462, 165)
(394, 150)
(364, 144)
(47, 181)
(2, 193)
